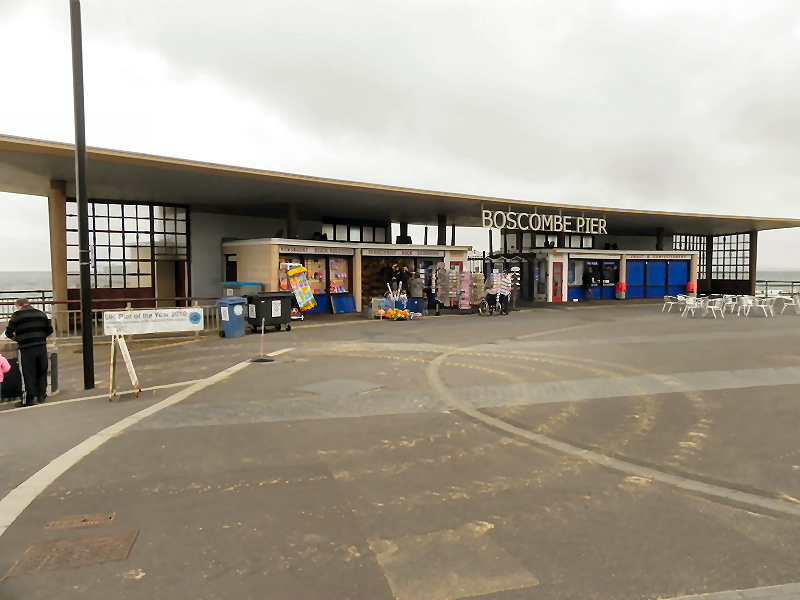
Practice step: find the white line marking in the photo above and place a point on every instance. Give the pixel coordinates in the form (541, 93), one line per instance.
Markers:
(277, 352)
(20, 497)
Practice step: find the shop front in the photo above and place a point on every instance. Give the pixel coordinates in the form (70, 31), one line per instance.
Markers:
(343, 277)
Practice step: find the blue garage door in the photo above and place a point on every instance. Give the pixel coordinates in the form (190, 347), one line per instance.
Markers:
(677, 277)
(634, 279)
(656, 277)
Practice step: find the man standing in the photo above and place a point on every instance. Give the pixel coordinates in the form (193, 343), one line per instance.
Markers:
(506, 285)
(29, 327)
(588, 279)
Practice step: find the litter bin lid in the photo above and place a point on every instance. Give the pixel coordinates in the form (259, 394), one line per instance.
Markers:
(232, 300)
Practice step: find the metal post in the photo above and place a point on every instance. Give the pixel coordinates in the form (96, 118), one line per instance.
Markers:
(80, 194)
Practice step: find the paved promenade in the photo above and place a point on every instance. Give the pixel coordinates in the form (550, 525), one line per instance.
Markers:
(602, 451)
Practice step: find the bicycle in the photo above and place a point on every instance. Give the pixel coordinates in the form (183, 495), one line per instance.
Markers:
(487, 309)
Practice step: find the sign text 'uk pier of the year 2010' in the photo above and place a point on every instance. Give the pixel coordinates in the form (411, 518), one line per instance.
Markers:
(500, 219)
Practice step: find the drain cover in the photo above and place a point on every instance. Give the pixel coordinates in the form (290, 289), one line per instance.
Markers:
(70, 554)
(340, 387)
(73, 522)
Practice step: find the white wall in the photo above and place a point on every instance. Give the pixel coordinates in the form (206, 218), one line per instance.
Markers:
(207, 232)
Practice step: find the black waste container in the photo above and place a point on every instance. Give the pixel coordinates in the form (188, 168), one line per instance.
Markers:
(270, 309)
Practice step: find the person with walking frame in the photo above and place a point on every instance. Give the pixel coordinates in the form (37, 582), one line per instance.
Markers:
(29, 327)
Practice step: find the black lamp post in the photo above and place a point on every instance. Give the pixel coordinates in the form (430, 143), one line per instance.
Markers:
(80, 195)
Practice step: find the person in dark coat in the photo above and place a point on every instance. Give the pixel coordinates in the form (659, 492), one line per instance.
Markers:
(588, 278)
(29, 327)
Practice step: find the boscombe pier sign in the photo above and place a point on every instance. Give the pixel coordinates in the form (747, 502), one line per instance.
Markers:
(500, 219)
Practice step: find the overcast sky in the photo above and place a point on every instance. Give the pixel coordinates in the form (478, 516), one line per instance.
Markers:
(688, 106)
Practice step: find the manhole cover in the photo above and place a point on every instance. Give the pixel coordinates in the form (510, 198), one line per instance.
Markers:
(70, 554)
(340, 387)
(73, 522)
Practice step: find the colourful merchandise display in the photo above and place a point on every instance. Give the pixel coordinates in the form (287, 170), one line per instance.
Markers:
(302, 290)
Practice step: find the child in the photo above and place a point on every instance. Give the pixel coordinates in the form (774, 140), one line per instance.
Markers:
(4, 367)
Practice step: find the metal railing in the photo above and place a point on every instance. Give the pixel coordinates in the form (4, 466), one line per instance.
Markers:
(66, 316)
(776, 287)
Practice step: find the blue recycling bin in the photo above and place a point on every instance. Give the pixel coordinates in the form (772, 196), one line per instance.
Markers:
(231, 316)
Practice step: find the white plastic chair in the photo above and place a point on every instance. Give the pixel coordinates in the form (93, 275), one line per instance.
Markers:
(691, 305)
(767, 305)
(793, 301)
(728, 301)
(714, 306)
(744, 305)
(669, 301)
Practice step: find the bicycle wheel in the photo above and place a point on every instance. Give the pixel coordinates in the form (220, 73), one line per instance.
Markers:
(484, 309)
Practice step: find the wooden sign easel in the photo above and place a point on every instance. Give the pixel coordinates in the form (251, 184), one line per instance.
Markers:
(118, 340)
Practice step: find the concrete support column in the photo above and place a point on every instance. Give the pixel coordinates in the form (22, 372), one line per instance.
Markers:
(709, 262)
(273, 265)
(442, 230)
(291, 221)
(660, 238)
(57, 213)
(356, 279)
(623, 269)
(694, 267)
(753, 261)
(403, 237)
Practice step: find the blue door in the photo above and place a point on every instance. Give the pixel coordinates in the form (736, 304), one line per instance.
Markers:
(656, 278)
(677, 277)
(634, 279)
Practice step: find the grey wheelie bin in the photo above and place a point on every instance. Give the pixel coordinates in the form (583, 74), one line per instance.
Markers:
(270, 309)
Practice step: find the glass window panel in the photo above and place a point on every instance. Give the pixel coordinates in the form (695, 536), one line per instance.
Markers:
(117, 281)
(158, 225)
(103, 281)
(587, 241)
(327, 229)
(72, 238)
(527, 241)
(129, 210)
(169, 226)
(341, 233)
(317, 278)
(339, 275)
(380, 235)
(540, 240)
(117, 253)
(181, 226)
(129, 224)
(130, 239)
(73, 281)
(115, 239)
(131, 281)
(145, 267)
(115, 224)
(101, 252)
(98, 209)
(101, 238)
(72, 222)
(355, 233)
(145, 281)
(99, 223)
(72, 253)
(114, 210)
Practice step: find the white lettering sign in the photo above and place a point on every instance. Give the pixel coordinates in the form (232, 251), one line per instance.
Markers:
(315, 250)
(157, 320)
(499, 219)
(399, 252)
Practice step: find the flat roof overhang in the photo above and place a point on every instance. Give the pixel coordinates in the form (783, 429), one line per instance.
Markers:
(27, 166)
